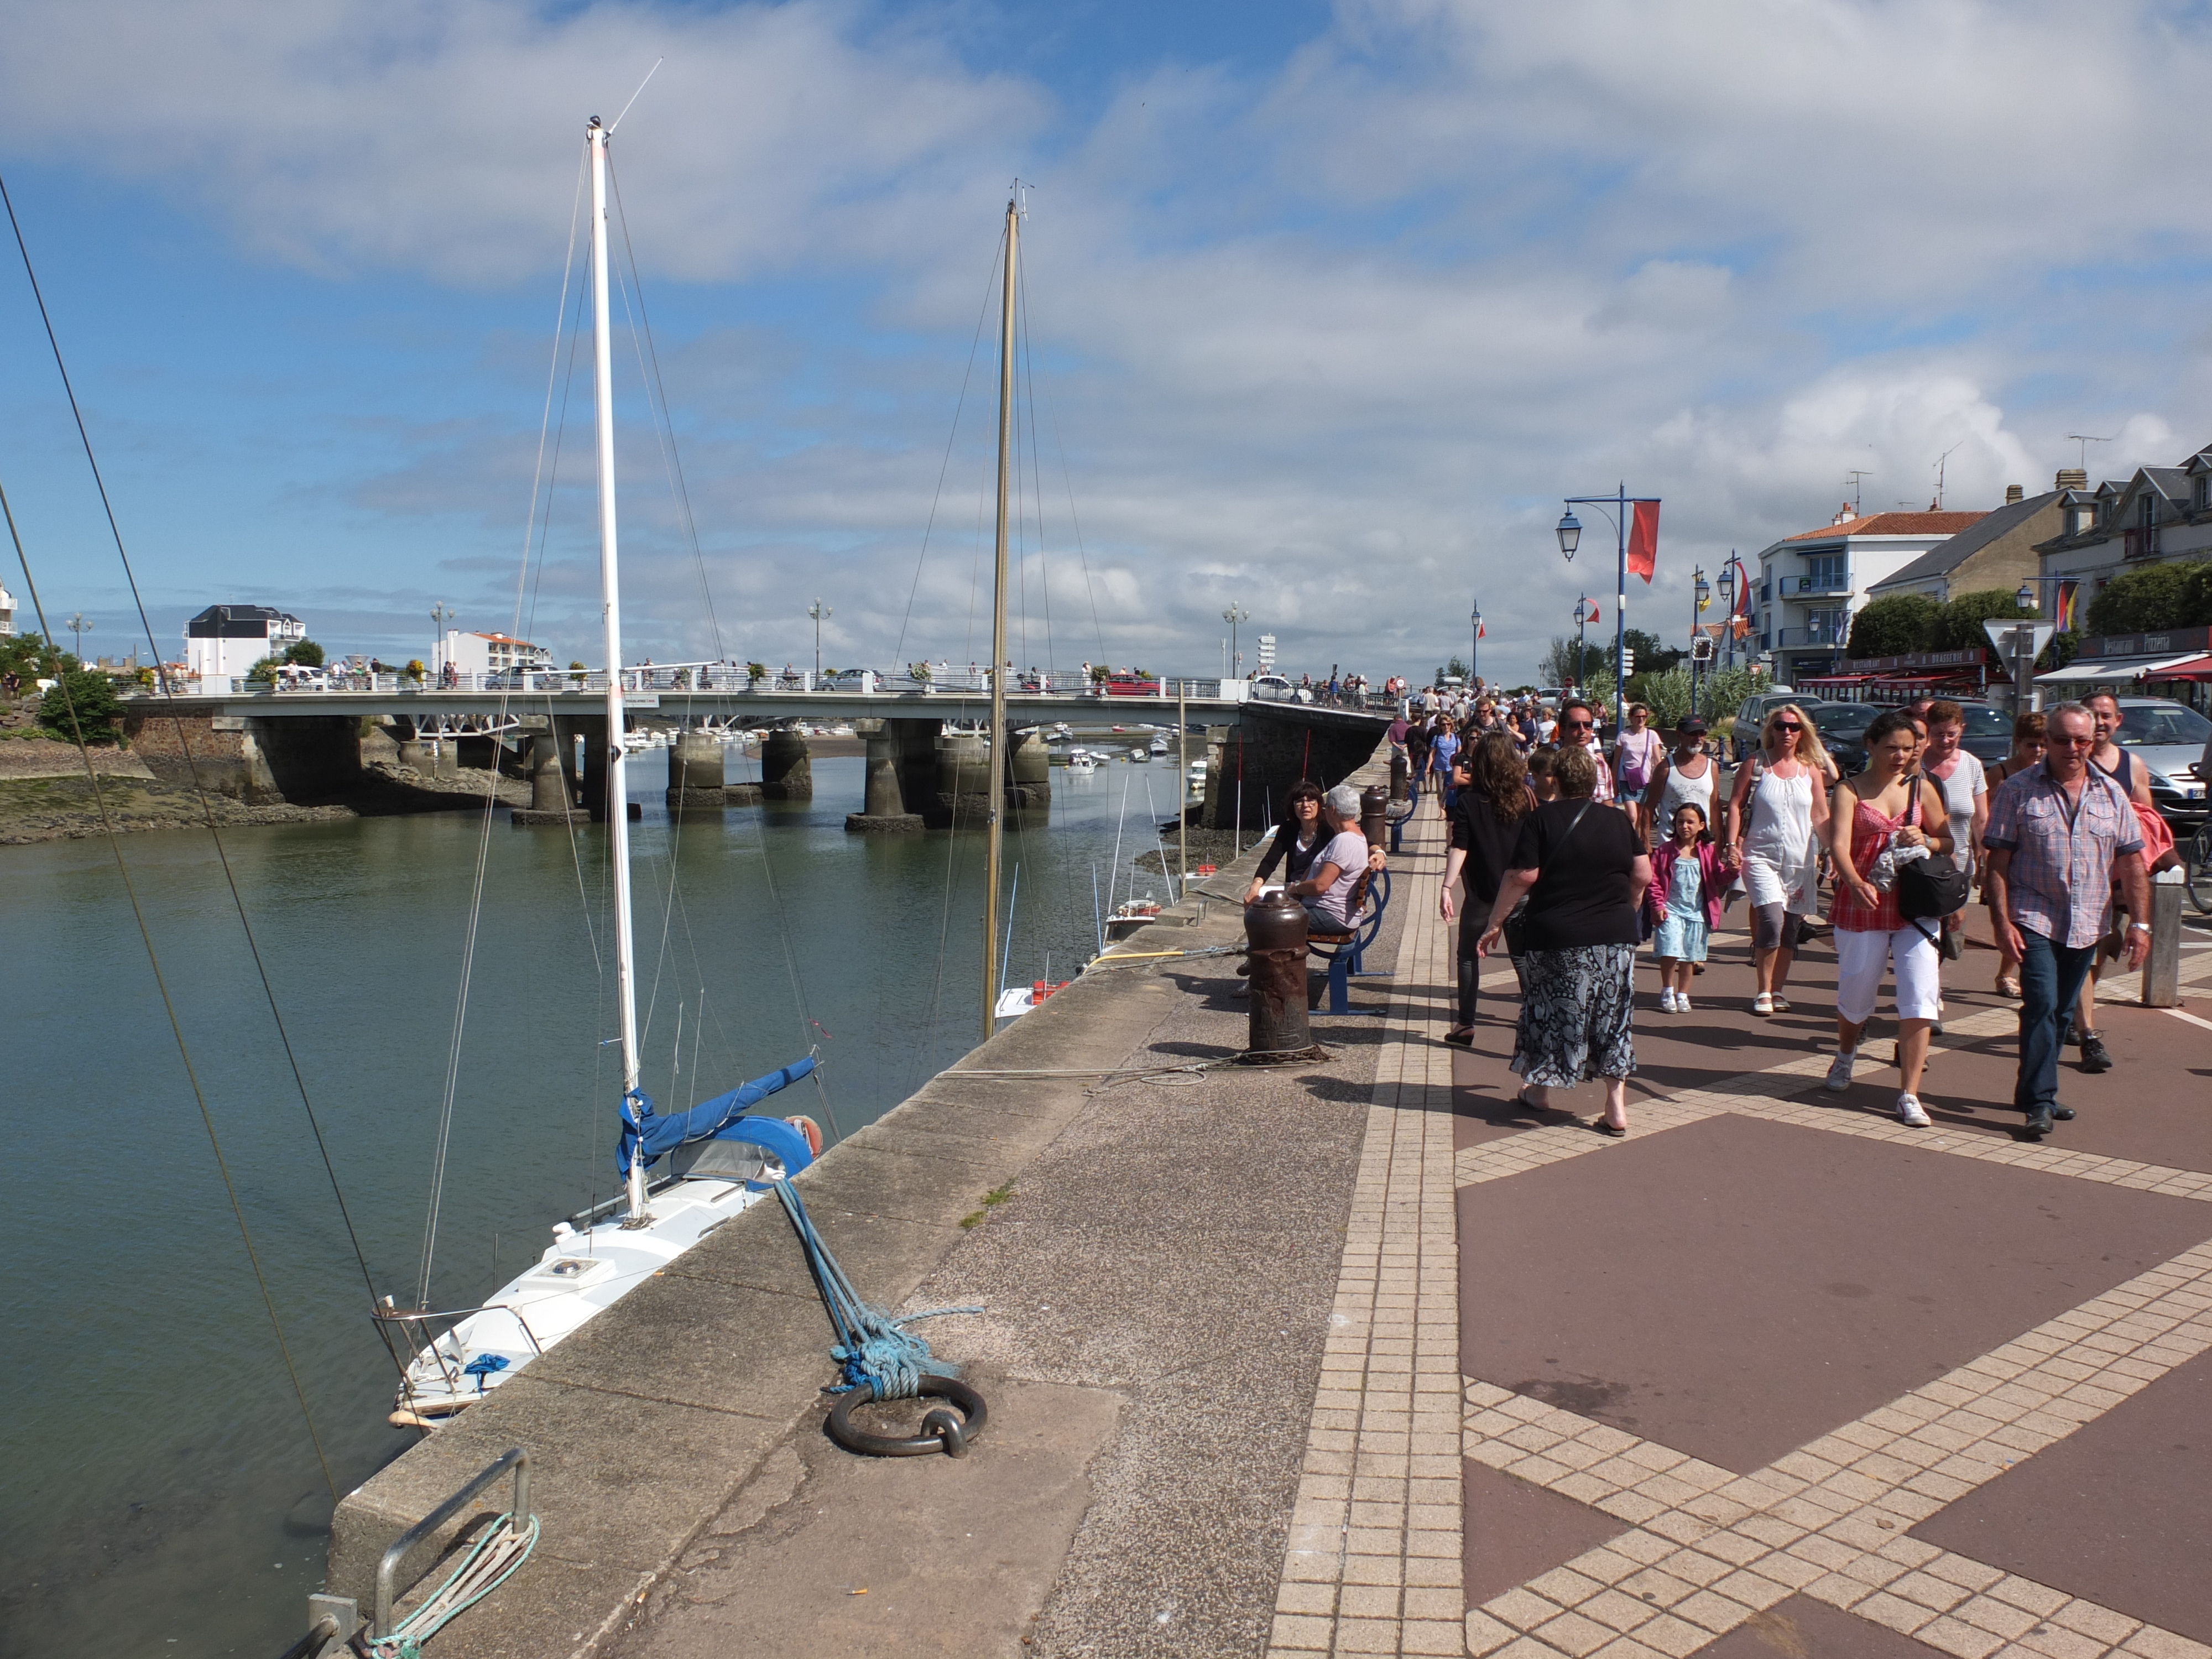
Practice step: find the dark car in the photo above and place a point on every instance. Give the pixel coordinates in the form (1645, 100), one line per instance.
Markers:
(1841, 728)
(1989, 732)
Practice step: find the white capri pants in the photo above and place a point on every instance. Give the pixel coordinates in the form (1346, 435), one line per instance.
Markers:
(1910, 953)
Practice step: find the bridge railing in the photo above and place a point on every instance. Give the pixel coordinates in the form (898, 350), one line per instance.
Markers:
(720, 679)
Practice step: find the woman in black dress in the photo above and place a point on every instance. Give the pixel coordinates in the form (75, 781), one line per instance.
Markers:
(1584, 873)
(1485, 825)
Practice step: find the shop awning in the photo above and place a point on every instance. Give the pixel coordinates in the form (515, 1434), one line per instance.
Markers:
(2197, 668)
(2119, 668)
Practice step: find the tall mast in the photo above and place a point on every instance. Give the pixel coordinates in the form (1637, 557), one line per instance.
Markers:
(618, 804)
(992, 830)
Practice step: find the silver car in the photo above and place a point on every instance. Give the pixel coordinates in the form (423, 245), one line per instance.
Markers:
(2168, 739)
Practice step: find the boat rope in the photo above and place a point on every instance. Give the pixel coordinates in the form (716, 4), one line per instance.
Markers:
(873, 1346)
(497, 1554)
(169, 1007)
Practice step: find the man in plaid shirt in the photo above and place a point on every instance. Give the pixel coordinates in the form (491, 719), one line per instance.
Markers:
(2058, 834)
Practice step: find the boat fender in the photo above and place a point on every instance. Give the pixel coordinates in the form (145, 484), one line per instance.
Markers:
(791, 1147)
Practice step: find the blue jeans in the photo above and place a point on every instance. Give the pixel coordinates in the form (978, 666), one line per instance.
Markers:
(2051, 978)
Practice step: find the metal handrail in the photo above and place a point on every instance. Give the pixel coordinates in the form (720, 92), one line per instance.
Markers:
(394, 1553)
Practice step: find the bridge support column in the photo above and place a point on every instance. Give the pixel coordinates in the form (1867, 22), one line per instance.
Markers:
(963, 781)
(694, 774)
(599, 774)
(552, 796)
(786, 769)
(884, 805)
(413, 751)
(1029, 772)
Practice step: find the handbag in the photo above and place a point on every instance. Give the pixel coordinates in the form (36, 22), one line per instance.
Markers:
(1931, 888)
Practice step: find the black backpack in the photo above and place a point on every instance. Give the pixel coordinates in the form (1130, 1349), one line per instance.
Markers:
(1931, 887)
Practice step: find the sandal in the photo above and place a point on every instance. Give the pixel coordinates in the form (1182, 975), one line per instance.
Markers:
(1762, 1004)
(1781, 1005)
(1616, 1130)
(2008, 986)
(1461, 1037)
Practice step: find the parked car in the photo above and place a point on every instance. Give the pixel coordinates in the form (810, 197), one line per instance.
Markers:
(1989, 731)
(1131, 685)
(1273, 688)
(2168, 739)
(1841, 728)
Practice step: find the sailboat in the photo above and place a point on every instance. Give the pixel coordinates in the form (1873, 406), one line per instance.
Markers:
(716, 1160)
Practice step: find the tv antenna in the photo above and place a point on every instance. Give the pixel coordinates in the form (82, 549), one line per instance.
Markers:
(1942, 463)
(1854, 479)
(2085, 441)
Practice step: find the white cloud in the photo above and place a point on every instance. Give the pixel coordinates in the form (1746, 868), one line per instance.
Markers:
(1331, 342)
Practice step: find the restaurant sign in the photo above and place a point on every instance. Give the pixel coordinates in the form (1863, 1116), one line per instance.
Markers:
(2171, 642)
(1971, 656)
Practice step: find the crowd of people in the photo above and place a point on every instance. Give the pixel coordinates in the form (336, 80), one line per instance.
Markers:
(1574, 851)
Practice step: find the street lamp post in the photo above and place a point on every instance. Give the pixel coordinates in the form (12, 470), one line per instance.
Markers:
(1571, 535)
(2023, 685)
(441, 614)
(1474, 645)
(1727, 604)
(1699, 590)
(1233, 616)
(821, 612)
(80, 627)
(1582, 650)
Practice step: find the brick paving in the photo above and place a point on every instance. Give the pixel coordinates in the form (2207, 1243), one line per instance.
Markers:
(1935, 1388)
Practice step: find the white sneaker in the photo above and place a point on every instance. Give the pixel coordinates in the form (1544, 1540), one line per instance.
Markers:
(1839, 1072)
(1909, 1111)
(1681, 1002)
(1667, 999)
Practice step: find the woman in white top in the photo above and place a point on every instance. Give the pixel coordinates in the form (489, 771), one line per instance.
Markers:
(1687, 777)
(1777, 820)
(1965, 792)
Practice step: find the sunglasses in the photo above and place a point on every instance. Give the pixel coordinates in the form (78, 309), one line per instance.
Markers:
(1787, 725)
(1578, 726)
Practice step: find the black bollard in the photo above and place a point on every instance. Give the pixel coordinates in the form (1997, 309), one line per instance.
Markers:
(1275, 930)
(1374, 811)
(1402, 778)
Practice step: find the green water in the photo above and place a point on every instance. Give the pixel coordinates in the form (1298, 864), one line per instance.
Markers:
(160, 1493)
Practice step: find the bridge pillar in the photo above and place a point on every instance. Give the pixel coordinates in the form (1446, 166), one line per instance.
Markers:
(413, 751)
(599, 773)
(786, 769)
(694, 774)
(1029, 771)
(884, 805)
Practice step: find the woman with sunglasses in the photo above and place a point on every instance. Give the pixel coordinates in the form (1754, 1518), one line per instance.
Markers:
(1778, 818)
(1579, 730)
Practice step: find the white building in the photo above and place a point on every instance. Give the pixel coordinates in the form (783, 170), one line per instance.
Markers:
(488, 653)
(226, 640)
(1809, 586)
(2160, 515)
(6, 613)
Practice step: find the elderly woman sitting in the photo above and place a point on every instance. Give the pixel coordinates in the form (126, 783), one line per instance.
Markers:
(1336, 869)
(1584, 871)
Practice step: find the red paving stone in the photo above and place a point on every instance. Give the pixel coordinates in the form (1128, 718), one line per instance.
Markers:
(1800, 1628)
(1516, 1531)
(2119, 1512)
(1735, 1287)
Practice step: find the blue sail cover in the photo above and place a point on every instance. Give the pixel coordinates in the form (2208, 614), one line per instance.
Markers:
(721, 1118)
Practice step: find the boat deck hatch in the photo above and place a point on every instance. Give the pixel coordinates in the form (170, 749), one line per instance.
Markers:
(570, 1266)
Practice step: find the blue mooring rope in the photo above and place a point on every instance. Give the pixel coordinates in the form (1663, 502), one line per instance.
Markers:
(873, 1346)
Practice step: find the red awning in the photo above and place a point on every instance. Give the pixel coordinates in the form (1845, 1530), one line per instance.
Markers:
(2197, 668)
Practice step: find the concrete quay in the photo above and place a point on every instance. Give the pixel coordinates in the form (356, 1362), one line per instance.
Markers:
(1159, 1284)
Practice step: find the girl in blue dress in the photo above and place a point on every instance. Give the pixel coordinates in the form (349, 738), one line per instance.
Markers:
(1689, 888)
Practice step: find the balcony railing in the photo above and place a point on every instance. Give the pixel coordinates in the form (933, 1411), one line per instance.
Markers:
(728, 679)
(1806, 587)
(1801, 639)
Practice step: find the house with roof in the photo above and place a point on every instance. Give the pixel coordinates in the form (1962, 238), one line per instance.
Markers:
(1809, 586)
(226, 640)
(1996, 553)
(6, 613)
(488, 653)
(2160, 515)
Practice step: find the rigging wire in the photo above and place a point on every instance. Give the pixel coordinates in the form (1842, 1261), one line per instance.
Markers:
(168, 1006)
(230, 878)
(1067, 479)
(443, 1144)
(1037, 459)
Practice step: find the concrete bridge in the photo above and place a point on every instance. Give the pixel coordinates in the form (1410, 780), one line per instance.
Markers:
(927, 763)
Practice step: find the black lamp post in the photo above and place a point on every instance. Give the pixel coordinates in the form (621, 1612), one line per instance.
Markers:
(1571, 535)
(1727, 604)
(1700, 590)
(1474, 645)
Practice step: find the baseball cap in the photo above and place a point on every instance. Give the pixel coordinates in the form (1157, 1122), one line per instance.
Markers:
(1695, 726)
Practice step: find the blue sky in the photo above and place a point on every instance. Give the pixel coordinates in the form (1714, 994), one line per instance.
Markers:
(1329, 304)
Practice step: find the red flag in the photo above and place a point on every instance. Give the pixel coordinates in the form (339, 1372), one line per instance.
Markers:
(1481, 632)
(1644, 540)
(1593, 614)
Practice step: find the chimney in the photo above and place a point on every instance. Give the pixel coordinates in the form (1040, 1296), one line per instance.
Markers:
(1844, 514)
(2014, 495)
(2070, 477)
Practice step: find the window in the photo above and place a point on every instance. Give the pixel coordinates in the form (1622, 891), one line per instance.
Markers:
(2199, 492)
(1827, 573)
(2146, 511)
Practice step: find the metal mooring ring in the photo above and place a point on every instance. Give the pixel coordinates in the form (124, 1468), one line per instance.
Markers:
(941, 1430)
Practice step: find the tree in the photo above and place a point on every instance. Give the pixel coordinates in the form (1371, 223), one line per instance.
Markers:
(2173, 595)
(1894, 626)
(1960, 623)
(305, 653)
(82, 707)
(1667, 695)
(262, 672)
(1457, 668)
(1557, 666)
(1650, 653)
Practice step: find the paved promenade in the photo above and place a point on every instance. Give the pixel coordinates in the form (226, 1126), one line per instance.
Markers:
(1776, 1374)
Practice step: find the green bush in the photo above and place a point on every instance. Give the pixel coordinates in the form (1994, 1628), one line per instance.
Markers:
(82, 707)
(1894, 626)
(305, 653)
(1666, 695)
(262, 672)
(1960, 623)
(2175, 595)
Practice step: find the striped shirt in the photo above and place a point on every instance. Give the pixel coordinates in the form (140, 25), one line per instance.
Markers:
(2060, 848)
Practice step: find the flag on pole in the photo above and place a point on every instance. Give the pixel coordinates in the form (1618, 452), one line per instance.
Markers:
(1592, 612)
(1644, 540)
(2067, 593)
(1481, 631)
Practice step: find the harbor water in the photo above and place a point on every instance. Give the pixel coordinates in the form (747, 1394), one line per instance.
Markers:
(164, 1494)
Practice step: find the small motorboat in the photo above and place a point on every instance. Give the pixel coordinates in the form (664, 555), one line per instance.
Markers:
(1080, 762)
(1129, 915)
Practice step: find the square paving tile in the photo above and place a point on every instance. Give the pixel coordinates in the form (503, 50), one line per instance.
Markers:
(2119, 1512)
(1514, 1532)
(1734, 1288)
(1802, 1628)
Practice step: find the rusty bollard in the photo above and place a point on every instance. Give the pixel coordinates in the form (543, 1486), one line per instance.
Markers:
(1374, 814)
(1275, 930)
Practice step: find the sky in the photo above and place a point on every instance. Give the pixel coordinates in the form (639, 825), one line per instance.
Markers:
(1325, 307)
